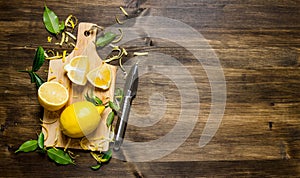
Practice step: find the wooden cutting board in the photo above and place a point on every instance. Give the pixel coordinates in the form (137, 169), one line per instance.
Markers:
(53, 135)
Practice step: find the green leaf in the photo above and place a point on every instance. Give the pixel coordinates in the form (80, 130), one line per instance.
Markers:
(97, 100)
(106, 39)
(59, 156)
(61, 26)
(41, 141)
(32, 78)
(106, 157)
(28, 146)
(39, 59)
(113, 106)
(96, 167)
(51, 21)
(93, 99)
(38, 80)
(110, 118)
(119, 93)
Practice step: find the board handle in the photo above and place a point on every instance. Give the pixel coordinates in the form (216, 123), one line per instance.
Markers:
(86, 35)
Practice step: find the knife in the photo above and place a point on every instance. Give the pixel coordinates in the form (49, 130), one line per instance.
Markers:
(130, 89)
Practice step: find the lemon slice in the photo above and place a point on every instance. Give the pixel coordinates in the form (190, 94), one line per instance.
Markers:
(77, 69)
(100, 77)
(52, 95)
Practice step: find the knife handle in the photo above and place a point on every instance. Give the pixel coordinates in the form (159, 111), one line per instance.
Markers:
(122, 122)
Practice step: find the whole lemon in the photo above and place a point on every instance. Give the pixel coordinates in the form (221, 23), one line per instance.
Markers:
(80, 119)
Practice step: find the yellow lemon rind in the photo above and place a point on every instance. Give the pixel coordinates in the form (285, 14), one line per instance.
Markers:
(103, 87)
(70, 67)
(48, 104)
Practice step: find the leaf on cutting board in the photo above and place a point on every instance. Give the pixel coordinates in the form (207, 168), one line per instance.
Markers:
(110, 118)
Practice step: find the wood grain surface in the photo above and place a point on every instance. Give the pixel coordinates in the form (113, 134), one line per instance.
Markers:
(258, 46)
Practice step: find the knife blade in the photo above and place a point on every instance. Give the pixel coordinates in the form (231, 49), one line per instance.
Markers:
(130, 90)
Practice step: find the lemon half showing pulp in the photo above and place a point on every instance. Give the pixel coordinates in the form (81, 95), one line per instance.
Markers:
(100, 77)
(52, 95)
(77, 69)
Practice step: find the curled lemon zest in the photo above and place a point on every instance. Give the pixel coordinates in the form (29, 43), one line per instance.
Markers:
(118, 20)
(50, 122)
(96, 156)
(51, 78)
(83, 146)
(71, 154)
(46, 131)
(122, 52)
(50, 52)
(69, 21)
(120, 37)
(67, 145)
(96, 144)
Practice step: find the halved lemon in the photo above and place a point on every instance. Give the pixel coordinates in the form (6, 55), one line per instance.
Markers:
(77, 69)
(100, 77)
(52, 95)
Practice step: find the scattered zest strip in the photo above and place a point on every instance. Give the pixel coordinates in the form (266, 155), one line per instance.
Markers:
(67, 145)
(124, 12)
(62, 38)
(56, 137)
(46, 131)
(50, 52)
(54, 57)
(51, 78)
(120, 37)
(64, 56)
(118, 20)
(72, 44)
(51, 122)
(49, 39)
(122, 52)
(72, 155)
(140, 53)
(94, 144)
(71, 35)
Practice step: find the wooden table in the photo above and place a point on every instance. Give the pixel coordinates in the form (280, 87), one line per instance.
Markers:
(258, 46)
